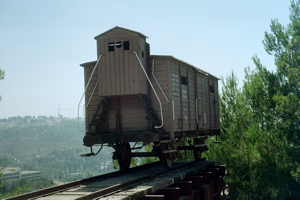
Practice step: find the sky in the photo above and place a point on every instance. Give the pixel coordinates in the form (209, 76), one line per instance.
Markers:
(43, 42)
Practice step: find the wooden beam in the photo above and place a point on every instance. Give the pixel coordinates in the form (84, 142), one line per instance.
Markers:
(153, 197)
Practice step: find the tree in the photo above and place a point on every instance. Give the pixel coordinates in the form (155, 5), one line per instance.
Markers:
(261, 120)
(238, 148)
(1, 77)
(2, 74)
(284, 44)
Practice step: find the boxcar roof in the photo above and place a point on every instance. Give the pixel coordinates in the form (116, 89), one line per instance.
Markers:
(162, 56)
(192, 66)
(88, 63)
(120, 28)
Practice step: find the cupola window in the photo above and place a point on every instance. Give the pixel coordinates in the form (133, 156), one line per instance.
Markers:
(211, 89)
(119, 45)
(184, 80)
(111, 46)
(126, 45)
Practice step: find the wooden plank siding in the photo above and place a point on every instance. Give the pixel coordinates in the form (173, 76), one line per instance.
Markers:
(133, 114)
(120, 70)
(211, 104)
(133, 67)
(203, 104)
(192, 93)
(161, 73)
(176, 99)
(217, 110)
(171, 72)
(168, 72)
(103, 81)
(192, 99)
(125, 113)
(95, 100)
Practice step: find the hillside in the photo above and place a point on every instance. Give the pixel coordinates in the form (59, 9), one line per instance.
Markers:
(50, 144)
(26, 137)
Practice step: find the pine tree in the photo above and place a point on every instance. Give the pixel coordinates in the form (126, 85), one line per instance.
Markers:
(1, 77)
(260, 121)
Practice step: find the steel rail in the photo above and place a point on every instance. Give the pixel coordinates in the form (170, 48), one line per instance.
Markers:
(109, 190)
(74, 184)
(125, 185)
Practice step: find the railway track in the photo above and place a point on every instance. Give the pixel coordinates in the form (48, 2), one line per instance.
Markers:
(186, 180)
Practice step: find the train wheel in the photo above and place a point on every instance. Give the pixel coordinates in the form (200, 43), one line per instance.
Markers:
(199, 147)
(166, 158)
(124, 159)
(197, 154)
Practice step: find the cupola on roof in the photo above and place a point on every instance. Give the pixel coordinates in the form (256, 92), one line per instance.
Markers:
(119, 31)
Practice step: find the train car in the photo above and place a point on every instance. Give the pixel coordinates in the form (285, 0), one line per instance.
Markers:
(134, 97)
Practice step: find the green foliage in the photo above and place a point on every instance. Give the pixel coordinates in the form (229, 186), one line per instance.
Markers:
(89, 175)
(258, 156)
(284, 44)
(2, 73)
(5, 162)
(1, 77)
(51, 145)
(13, 188)
(186, 155)
(286, 51)
(261, 120)
(137, 161)
(0, 177)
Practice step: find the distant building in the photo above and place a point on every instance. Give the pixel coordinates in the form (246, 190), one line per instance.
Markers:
(14, 173)
(31, 174)
(10, 173)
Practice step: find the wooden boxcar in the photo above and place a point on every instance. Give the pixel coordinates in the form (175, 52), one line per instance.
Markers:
(132, 96)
